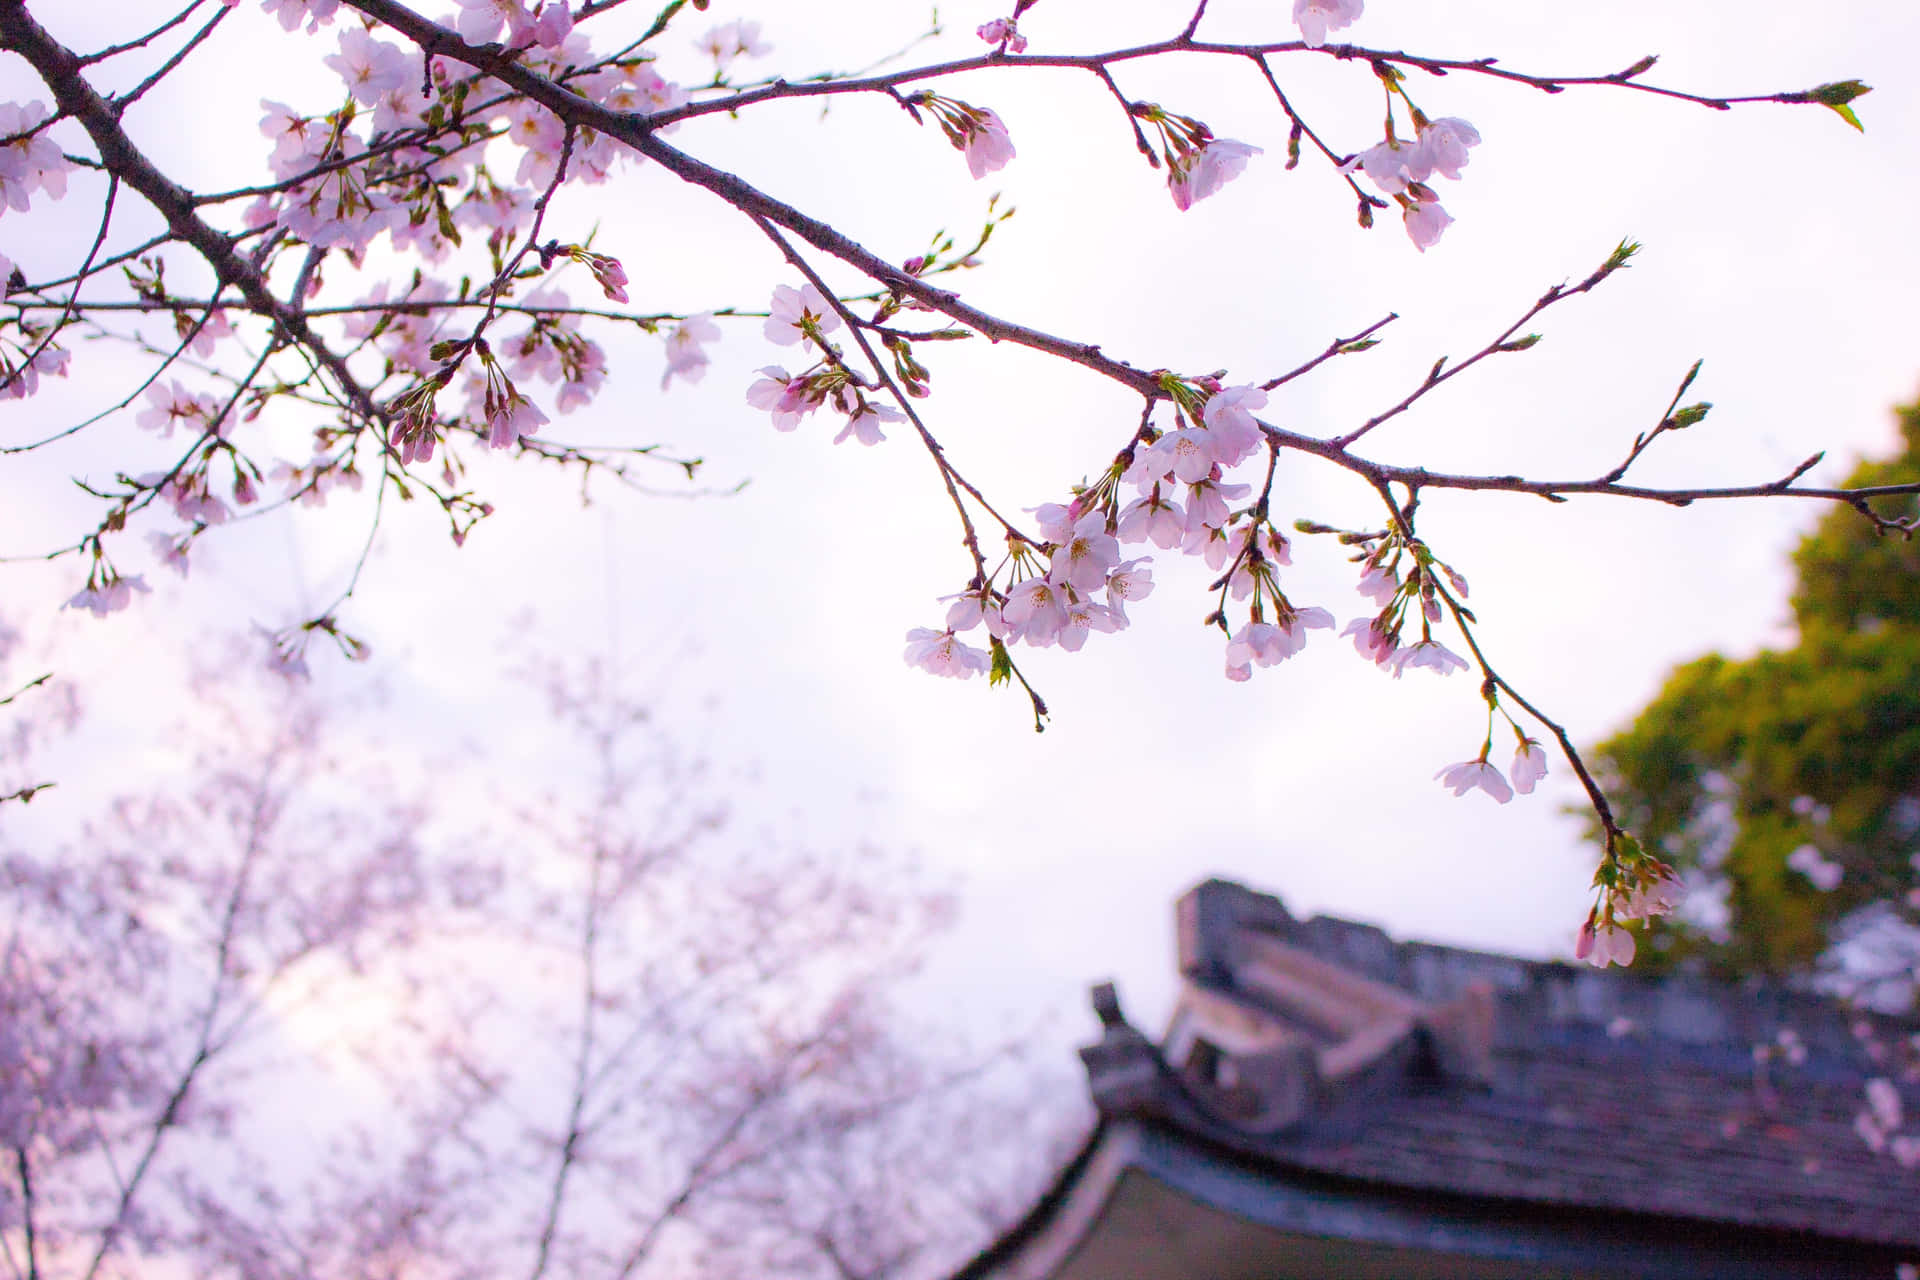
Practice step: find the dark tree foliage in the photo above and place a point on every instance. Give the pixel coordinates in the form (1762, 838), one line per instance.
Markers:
(1773, 776)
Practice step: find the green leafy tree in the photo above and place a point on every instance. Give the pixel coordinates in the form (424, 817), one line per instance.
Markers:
(1789, 782)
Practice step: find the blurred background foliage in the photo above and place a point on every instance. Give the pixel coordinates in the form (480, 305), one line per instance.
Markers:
(1786, 786)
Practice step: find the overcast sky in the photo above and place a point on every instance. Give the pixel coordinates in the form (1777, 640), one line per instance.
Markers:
(1779, 247)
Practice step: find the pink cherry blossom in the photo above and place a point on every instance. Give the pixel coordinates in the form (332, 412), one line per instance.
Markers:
(1468, 774)
(554, 25)
(1317, 17)
(970, 608)
(1387, 164)
(1426, 222)
(1199, 174)
(1036, 610)
(32, 161)
(1269, 643)
(1529, 766)
(1229, 416)
(782, 395)
(1153, 518)
(291, 13)
(1084, 617)
(1430, 654)
(1652, 897)
(1443, 148)
(1217, 546)
(510, 416)
(19, 382)
(1131, 580)
(479, 21)
(686, 357)
(1379, 585)
(1600, 947)
(173, 405)
(110, 596)
(1085, 557)
(988, 145)
(732, 40)
(1372, 641)
(793, 309)
(1055, 520)
(1207, 504)
(370, 67)
(171, 550)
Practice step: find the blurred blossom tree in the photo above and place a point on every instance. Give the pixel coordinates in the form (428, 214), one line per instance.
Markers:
(1789, 781)
(412, 276)
(263, 1024)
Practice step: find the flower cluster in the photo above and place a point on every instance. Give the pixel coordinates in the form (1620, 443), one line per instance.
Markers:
(805, 316)
(1402, 170)
(1634, 886)
(1427, 583)
(1168, 488)
(172, 405)
(107, 592)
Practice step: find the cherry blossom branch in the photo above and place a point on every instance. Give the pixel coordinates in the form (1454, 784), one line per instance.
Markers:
(1670, 422)
(122, 101)
(29, 1211)
(1301, 129)
(637, 132)
(947, 474)
(1360, 341)
(887, 82)
(1595, 796)
(1440, 373)
(73, 296)
(60, 69)
(141, 42)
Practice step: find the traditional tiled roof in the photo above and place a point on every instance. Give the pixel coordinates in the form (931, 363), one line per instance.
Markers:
(1324, 1048)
